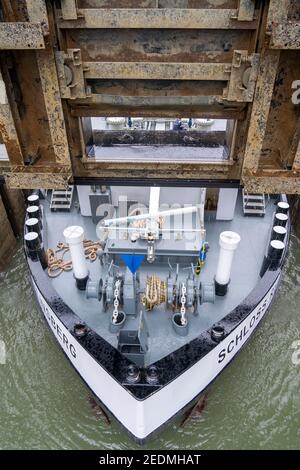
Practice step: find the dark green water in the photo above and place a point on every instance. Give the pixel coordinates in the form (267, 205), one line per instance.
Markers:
(254, 404)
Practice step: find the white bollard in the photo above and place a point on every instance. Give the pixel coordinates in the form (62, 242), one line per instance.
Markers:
(229, 242)
(74, 236)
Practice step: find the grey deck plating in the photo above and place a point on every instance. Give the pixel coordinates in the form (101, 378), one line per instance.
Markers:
(162, 341)
(155, 153)
(158, 153)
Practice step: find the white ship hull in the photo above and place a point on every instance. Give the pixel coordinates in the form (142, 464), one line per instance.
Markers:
(141, 418)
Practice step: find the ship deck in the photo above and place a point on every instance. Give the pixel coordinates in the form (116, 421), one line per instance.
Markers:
(254, 232)
(162, 152)
(152, 153)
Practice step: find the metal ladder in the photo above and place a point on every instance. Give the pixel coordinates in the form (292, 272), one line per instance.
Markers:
(62, 200)
(254, 204)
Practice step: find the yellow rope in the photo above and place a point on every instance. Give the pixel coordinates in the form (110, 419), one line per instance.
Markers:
(57, 265)
(155, 292)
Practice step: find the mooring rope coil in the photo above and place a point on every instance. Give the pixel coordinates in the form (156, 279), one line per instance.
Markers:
(56, 265)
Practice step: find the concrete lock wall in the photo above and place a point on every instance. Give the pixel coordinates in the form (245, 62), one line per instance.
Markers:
(17, 208)
(7, 239)
(12, 209)
(294, 202)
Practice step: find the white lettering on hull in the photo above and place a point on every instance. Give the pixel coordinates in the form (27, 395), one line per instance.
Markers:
(244, 331)
(141, 418)
(61, 336)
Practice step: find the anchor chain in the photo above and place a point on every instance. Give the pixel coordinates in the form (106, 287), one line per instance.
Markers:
(183, 302)
(116, 301)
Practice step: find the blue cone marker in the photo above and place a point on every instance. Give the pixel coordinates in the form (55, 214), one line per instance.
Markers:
(133, 262)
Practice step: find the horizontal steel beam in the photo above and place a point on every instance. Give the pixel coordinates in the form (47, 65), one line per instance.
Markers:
(272, 184)
(156, 71)
(180, 172)
(151, 101)
(30, 180)
(149, 18)
(21, 36)
(286, 35)
(212, 112)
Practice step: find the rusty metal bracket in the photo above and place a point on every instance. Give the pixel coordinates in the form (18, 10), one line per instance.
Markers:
(71, 74)
(246, 10)
(69, 9)
(244, 71)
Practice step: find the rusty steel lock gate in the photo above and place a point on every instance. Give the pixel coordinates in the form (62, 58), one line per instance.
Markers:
(66, 61)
